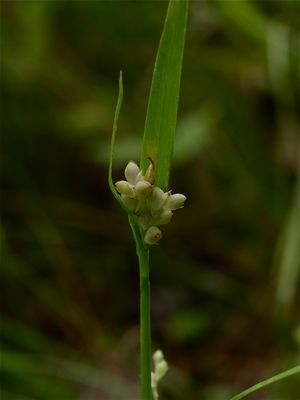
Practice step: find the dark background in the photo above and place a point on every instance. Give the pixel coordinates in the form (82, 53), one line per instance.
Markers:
(225, 276)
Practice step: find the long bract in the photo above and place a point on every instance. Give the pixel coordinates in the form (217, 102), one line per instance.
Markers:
(160, 125)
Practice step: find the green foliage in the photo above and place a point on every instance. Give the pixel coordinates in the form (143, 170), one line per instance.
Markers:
(160, 125)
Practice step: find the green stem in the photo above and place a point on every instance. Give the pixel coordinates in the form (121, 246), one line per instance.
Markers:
(145, 339)
(145, 313)
(267, 382)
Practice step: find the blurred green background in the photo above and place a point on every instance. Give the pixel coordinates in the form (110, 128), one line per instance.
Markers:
(225, 278)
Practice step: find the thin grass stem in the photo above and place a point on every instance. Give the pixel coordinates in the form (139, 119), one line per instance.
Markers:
(145, 312)
(269, 381)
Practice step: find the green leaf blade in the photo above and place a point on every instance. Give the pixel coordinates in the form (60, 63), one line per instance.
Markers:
(160, 125)
(267, 382)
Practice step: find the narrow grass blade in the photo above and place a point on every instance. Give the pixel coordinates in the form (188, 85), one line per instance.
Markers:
(161, 115)
(273, 379)
(112, 145)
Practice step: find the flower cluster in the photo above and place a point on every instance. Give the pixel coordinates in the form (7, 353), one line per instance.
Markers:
(152, 205)
(160, 369)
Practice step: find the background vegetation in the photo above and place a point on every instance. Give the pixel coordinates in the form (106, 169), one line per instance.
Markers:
(225, 277)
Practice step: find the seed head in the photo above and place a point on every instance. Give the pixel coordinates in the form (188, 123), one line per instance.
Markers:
(175, 201)
(157, 356)
(157, 198)
(151, 206)
(124, 187)
(131, 172)
(153, 235)
(163, 218)
(142, 189)
(161, 369)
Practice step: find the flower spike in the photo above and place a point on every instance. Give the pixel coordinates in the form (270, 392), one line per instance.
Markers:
(152, 206)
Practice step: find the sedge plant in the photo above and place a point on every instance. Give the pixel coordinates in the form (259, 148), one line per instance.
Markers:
(144, 194)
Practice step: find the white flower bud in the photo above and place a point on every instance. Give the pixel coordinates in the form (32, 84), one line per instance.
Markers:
(157, 198)
(131, 172)
(174, 202)
(157, 356)
(160, 369)
(142, 189)
(163, 218)
(153, 235)
(130, 202)
(124, 187)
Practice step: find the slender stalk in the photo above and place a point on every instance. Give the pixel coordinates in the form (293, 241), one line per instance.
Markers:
(273, 379)
(145, 338)
(145, 311)
(112, 146)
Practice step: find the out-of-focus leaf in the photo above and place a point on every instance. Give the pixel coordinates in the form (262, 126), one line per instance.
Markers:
(287, 256)
(128, 149)
(19, 334)
(192, 134)
(186, 325)
(45, 376)
(25, 375)
(245, 16)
